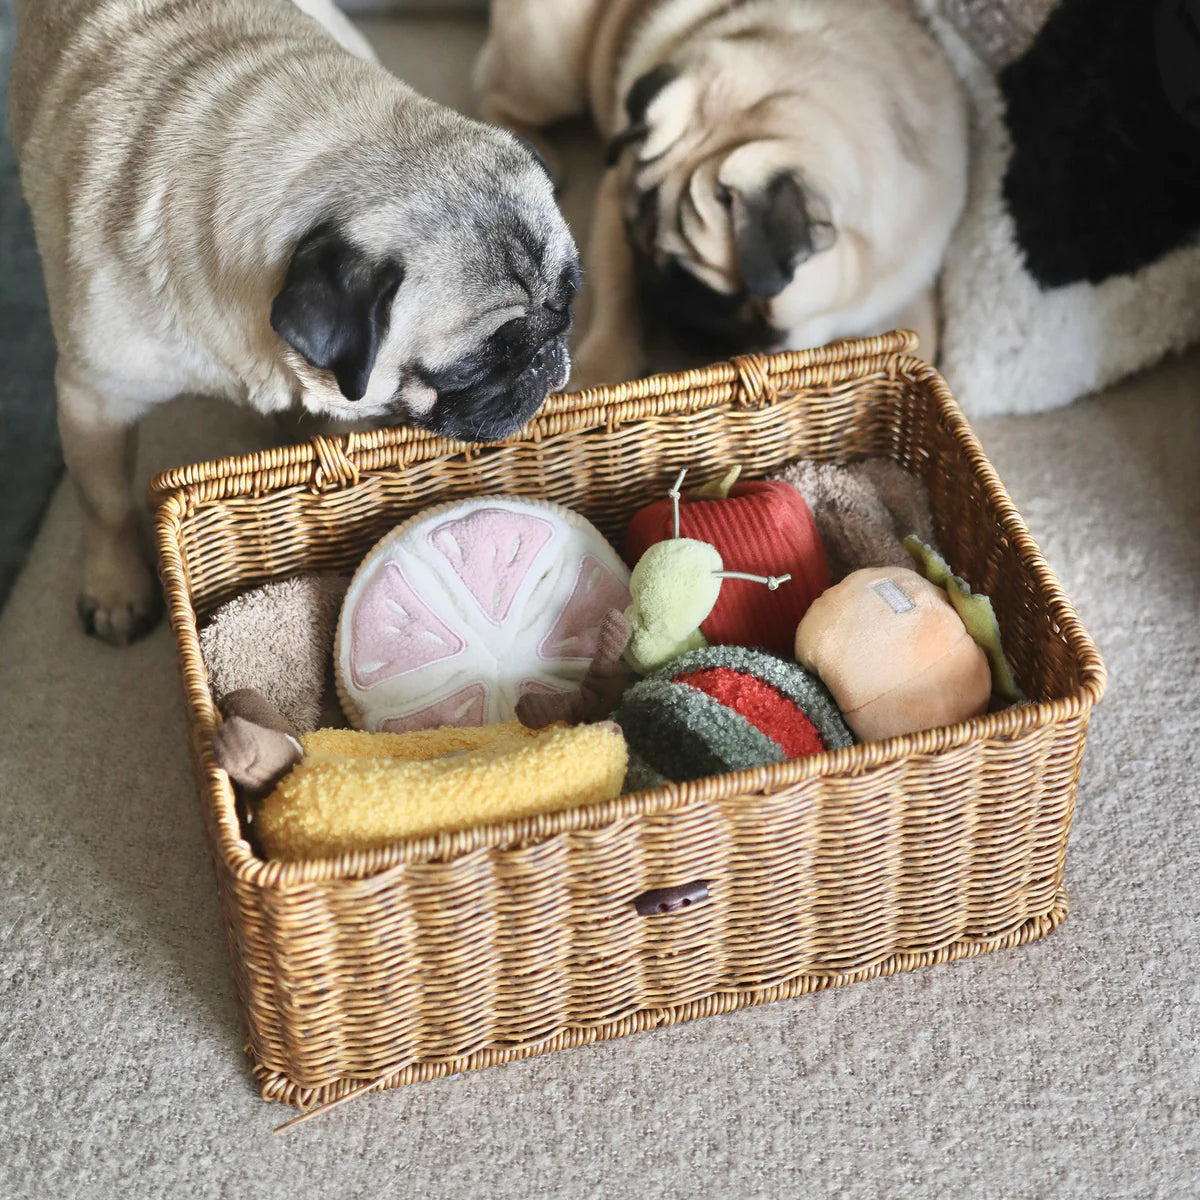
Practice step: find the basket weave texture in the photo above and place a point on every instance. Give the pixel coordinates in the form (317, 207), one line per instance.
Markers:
(461, 950)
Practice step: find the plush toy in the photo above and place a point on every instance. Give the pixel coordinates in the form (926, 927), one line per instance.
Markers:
(976, 612)
(460, 611)
(255, 744)
(755, 530)
(724, 708)
(676, 587)
(600, 689)
(277, 639)
(863, 511)
(359, 791)
(894, 653)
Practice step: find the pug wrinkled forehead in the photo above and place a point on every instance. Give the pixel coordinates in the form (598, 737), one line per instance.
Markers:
(719, 207)
(444, 303)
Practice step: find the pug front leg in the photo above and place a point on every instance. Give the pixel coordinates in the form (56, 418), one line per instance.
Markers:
(610, 350)
(532, 70)
(119, 600)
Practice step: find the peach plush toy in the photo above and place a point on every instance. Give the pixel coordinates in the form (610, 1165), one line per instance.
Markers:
(895, 654)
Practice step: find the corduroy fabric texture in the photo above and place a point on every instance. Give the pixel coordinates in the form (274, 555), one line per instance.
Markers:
(763, 528)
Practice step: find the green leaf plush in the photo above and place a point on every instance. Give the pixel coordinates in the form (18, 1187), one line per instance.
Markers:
(976, 612)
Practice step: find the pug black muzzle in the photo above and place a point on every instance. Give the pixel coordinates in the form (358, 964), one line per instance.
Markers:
(493, 392)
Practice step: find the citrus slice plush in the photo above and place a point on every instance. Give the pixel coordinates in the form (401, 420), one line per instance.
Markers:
(466, 607)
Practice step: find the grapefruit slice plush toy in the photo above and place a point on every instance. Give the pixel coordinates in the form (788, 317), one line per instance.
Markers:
(460, 611)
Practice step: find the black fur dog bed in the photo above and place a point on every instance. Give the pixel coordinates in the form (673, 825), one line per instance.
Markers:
(1077, 260)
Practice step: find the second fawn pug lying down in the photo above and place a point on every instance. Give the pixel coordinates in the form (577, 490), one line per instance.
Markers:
(780, 172)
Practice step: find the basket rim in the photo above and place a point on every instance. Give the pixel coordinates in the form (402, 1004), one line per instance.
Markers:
(327, 462)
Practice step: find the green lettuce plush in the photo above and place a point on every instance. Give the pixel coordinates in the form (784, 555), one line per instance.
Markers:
(976, 613)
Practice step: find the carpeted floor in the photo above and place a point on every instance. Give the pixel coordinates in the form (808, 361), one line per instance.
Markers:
(1067, 1068)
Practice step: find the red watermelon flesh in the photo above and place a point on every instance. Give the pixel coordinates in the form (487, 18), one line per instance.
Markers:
(780, 718)
(763, 528)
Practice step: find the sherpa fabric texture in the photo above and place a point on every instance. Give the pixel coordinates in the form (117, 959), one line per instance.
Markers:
(999, 31)
(278, 640)
(863, 511)
(894, 653)
(724, 708)
(465, 607)
(761, 528)
(1076, 261)
(358, 791)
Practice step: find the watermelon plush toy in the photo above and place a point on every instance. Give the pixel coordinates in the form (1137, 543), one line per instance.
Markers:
(725, 708)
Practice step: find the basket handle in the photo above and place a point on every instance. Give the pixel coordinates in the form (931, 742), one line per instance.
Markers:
(334, 467)
(755, 388)
(659, 901)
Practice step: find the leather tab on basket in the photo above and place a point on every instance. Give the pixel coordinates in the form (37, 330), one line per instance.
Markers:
(334, 468)
(757, 388)
(660, 901)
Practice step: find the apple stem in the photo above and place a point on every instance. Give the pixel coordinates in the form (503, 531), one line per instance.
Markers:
(774, 582)
(675, 493)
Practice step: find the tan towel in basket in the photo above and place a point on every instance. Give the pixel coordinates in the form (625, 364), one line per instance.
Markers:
(278, 640)
(357, 791)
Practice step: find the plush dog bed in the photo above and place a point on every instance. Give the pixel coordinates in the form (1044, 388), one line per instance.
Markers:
(1077, 261)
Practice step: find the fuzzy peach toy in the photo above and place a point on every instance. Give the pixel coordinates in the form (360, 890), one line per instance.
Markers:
(895, 654)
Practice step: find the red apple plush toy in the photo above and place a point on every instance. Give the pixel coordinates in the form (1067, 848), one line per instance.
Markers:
(758, 528)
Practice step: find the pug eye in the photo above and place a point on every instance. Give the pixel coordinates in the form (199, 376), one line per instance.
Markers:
(510, 332)
(723, 195)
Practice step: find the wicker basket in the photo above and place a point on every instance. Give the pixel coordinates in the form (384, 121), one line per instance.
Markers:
(458, 951)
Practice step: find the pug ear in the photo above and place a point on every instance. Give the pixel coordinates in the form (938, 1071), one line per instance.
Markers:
(335, 306)
(775, 230)
(641, 95)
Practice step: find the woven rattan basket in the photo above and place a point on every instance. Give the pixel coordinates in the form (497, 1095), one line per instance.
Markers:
(460, 951)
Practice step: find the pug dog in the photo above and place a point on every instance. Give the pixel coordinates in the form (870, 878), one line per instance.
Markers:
(231, 197)
(781, 173)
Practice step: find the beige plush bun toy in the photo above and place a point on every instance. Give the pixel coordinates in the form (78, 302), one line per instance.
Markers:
(894, 653)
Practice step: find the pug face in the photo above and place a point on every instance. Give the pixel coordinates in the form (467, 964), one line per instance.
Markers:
(720, 214)
(443, 303)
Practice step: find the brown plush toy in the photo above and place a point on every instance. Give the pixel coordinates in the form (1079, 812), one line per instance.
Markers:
(254, 744)
(600, 690)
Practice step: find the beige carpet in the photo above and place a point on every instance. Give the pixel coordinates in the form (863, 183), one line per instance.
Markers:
(1067, 1068)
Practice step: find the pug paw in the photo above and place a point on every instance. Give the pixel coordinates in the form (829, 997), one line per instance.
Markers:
(120, 600)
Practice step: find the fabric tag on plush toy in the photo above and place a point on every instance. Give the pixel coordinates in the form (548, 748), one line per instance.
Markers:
(894, 596)
(976, 612)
